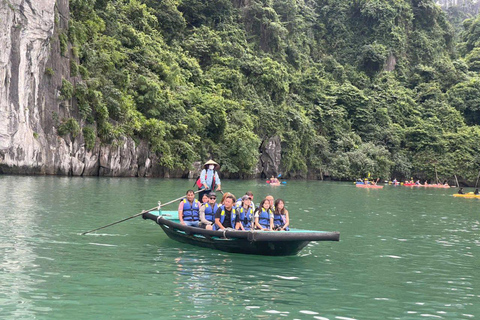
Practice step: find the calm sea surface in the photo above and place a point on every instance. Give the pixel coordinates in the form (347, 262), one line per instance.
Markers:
(403, 254)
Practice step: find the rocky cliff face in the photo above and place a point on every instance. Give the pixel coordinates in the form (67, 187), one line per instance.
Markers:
(32, 67)
(31, 73)
(468, 6)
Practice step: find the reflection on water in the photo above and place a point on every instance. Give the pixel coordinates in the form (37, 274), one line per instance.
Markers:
(18, 260)
(406, 254)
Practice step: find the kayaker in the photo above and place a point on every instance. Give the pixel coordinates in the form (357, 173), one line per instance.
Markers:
(207, 212)
(475, 192)
(226, 216)
(188, 210)
(460, 191)
(209, 179)
(281, 220)
(264, 216)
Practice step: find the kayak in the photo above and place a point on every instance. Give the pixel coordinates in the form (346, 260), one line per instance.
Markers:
(368, 186)
(442, 186)
(467, 195)
(271, 243)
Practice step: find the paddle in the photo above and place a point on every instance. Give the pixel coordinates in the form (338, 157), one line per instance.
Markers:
(138, 214)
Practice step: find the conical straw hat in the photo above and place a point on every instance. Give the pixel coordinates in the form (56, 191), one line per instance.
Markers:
(211, 162)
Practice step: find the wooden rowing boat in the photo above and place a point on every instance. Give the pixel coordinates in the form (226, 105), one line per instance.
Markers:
(271, 243)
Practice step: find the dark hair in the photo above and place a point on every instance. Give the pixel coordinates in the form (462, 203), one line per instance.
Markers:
(188, 191)
(259, 208)
(276, 207)
(249, 193)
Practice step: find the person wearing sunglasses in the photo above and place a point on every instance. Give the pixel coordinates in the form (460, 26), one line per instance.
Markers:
(240, 200)
(207, 212)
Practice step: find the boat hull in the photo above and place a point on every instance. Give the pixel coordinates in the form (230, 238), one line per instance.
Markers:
(268, 248)
(440, 186)
(467, 195)
(369, 186)
(271, 243)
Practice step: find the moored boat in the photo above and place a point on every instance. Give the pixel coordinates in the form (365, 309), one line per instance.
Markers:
(272, 243)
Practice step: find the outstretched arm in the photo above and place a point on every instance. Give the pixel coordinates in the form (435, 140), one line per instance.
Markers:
(180, 212)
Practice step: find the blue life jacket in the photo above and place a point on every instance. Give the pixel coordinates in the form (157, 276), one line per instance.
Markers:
(190, 211)
(245, 217)
(279, 221)
(264, 218)
(210, 212)
(233, 216)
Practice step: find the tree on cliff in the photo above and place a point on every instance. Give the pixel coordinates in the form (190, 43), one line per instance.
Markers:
(219, 77)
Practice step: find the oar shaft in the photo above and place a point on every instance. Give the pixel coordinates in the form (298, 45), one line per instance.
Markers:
(138, 214)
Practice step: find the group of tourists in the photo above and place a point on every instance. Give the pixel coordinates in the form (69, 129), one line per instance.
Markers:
(239, 214)
(270, 215)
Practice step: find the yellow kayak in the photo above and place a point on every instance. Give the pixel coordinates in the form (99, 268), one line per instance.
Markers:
(467, 195)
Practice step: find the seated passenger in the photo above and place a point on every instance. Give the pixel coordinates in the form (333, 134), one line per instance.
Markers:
(245, 213)
(272, 202)
(248, 194)
(225, 195)
(264, 216)
(188, 210)
(476, 191)
(226, 215)
(205, 198)
(460, 191)
(207, 212)
(281, 220)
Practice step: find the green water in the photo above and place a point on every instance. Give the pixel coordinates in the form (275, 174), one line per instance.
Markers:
(404, 254)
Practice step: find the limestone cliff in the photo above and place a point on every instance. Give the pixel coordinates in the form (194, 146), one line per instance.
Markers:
(31, 72)
(33, 64)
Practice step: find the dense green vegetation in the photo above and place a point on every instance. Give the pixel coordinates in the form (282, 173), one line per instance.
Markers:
(198, 78)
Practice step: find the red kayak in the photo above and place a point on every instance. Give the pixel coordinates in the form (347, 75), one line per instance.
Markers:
(427, 185)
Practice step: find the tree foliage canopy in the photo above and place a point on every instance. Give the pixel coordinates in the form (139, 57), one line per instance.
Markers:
(351, 87)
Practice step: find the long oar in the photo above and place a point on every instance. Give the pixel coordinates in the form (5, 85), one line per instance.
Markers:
(138, 214)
